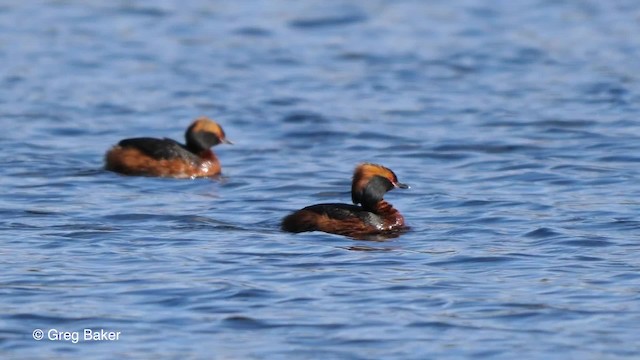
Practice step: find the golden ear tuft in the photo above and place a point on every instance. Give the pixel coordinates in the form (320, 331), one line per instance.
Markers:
(366, 171)
(204, 124)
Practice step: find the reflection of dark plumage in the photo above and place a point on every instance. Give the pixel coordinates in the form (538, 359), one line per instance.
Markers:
(373, 216)
(166, 157)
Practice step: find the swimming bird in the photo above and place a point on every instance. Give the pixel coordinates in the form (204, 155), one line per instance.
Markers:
(165, 157)
(373, 215)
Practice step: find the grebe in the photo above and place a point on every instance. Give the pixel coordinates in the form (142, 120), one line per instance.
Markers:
(168, 158)
(373, 216)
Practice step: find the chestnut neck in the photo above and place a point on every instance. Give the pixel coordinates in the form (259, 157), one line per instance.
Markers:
(392, 217)
(207, 154)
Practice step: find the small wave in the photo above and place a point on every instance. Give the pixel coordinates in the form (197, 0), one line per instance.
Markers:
(587, 243)
(305, 117)
(542, 233)
(327, 21)
(464, 260)
(240, 322)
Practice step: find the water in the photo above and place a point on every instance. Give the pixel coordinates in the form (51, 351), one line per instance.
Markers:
(515, 123)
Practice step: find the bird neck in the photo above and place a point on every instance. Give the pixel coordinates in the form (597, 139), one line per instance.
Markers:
(207, 155)
(392, 217)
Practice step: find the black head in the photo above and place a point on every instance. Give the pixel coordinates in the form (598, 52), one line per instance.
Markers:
(203, 134)
(371, 182)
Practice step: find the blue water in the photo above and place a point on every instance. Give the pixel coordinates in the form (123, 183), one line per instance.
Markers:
(515, 123)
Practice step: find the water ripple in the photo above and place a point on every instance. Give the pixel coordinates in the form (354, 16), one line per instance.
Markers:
(515, 126)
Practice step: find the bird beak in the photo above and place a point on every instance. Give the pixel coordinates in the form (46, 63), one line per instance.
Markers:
(225, 141)
(401, 185)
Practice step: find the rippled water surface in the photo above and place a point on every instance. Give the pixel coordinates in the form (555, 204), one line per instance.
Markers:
(515, 123)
